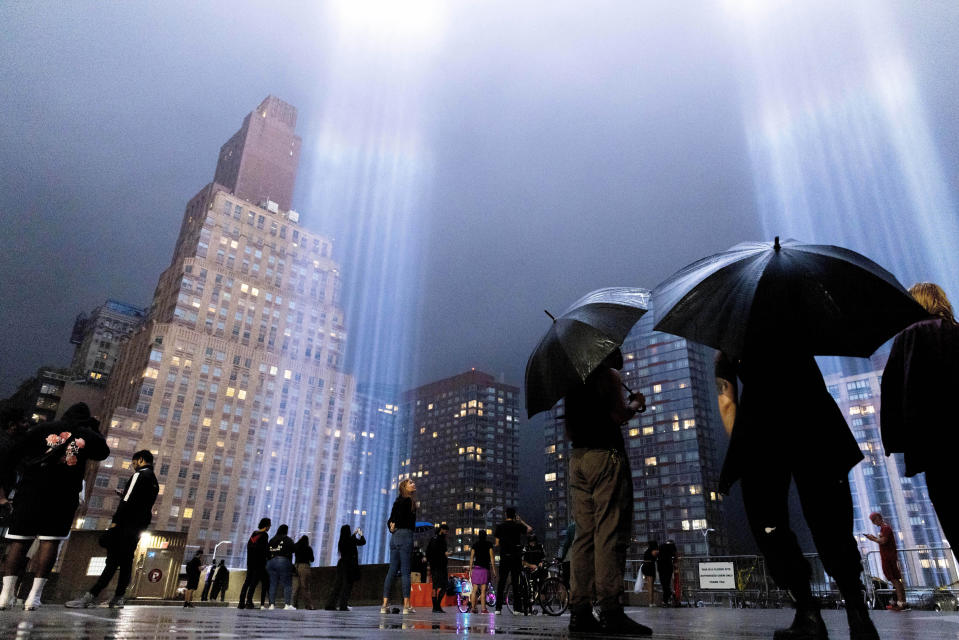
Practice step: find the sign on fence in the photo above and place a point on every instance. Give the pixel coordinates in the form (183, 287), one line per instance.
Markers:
(717, 575)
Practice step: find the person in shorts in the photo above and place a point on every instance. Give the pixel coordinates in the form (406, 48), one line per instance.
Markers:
(53, 456)
(889, 556)
(481, 568)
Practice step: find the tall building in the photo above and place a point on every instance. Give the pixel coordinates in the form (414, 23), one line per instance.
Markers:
(462, 452)
(259, 162)
(879, 483)
(98, 338)
(674, 447)
(235, 381)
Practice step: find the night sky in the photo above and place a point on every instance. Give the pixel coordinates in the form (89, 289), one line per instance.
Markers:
(564, 146)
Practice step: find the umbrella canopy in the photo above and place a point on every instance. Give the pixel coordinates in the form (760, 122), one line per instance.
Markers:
(423, 526)
(578, 341)
(822, 299)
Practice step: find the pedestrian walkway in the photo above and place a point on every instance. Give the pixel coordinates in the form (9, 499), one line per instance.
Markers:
(54, 622)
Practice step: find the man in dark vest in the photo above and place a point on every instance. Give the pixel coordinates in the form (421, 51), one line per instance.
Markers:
(132, 517)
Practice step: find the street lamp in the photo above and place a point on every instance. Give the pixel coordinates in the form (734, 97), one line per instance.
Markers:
(217, 546)
(706, 533)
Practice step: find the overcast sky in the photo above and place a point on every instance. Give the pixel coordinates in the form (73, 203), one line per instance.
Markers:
(556, 147)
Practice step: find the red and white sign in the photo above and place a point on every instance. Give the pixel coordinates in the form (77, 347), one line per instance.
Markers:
(155, 575)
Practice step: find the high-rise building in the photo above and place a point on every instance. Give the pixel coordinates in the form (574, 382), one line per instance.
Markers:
(879, 482)
(462, 452)
(235, 381)
(258, 164)
(674, 447)
(98, 338)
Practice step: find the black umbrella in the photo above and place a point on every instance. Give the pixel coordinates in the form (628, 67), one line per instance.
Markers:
(579, 340)
(822, 299)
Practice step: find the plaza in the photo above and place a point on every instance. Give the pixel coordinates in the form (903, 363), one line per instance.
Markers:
(54, 622)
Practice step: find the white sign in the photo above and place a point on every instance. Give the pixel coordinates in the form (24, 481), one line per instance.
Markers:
(717, 575)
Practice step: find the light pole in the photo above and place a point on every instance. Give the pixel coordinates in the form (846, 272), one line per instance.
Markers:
(706, 538)
(217, 546)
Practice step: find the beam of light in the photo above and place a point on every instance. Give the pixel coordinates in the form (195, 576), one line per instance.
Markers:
(371, 183)
(840, 147)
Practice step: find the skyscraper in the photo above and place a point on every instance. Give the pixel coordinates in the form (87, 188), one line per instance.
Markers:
(462, 451)
(234, 382)
(98, 338)
(674, 447)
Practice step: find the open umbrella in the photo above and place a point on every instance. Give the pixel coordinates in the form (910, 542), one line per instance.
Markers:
(823, 299)
(578, 341)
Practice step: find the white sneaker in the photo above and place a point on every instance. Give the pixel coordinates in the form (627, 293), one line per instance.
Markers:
(384, 609)
(289, 606)
(408, 610)
(32, 605)
(271, 607)
(499, 612)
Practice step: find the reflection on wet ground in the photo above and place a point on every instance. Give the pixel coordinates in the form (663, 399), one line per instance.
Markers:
(175, 623)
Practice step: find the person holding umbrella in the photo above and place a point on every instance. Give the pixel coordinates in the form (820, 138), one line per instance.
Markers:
(579, 359)
(773, 307)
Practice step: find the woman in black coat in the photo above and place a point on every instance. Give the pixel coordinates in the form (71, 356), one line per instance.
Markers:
(347, 569)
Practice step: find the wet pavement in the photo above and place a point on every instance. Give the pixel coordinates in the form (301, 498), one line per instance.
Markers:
(208, 623)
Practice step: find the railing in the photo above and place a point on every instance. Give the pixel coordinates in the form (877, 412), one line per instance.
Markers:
(931, 578)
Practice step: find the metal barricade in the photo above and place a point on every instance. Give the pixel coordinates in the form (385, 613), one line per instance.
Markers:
(929, 574)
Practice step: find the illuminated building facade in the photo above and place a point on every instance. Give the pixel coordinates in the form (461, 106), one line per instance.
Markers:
(235, 381)
(462, 452)
(674, 447)
(98, 338)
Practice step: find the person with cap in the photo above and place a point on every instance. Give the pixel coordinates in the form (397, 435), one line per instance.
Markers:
(889, 557)
(53, 457)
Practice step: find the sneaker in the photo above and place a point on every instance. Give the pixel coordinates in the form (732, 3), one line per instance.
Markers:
(116, 602)
(84, 601)
(485, 610)
(32, 605)
(616, 623)
(288, 607)
(384, 609)
(582, 620)
(346, 608)
(271, 607)
(498, 612)
(408, 610)
(807, 625)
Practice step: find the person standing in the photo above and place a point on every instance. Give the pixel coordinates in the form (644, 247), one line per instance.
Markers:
(509, 538)
(917, 418)
(53, 456)
(665, 566)
(280, 566)
(481, 568)
(810, 444)
(303, 560)
(192, 577)
(132, 517)
(257, 554)
(347, 568)
(648, 568)
(601, 494)
(437, 554)
(889, 557)
(208, 582)
(221, 582)
(401, 523)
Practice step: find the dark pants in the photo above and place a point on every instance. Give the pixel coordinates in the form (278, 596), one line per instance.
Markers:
(205, 594)
(601, 495)
(219, 589)
(666, 581)
(510, 567)
(255, 575)
(342, 587)
(827, 508)
(942, 492)
(119, 556)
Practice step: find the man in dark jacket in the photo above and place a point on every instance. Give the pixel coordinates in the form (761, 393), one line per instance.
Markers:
(54, 456)
(437, 556)
(257, 554)
(132, 517)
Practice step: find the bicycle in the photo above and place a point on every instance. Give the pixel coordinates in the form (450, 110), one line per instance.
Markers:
(463, 595)
(542, 591)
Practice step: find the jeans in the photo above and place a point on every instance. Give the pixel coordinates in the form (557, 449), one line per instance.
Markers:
(119, 556)
(601, 492)
(280, 569)
(401, 552)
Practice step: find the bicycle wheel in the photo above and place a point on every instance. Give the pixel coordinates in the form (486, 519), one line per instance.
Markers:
(463, 603)
(508, 598)
(554, 596)
(490, 596)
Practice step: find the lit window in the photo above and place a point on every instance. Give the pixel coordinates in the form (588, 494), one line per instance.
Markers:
(657, 388)
(199, 456)
(650, 462)
(188, 512)
(241, 394)
(633, 432)
(550, 477)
